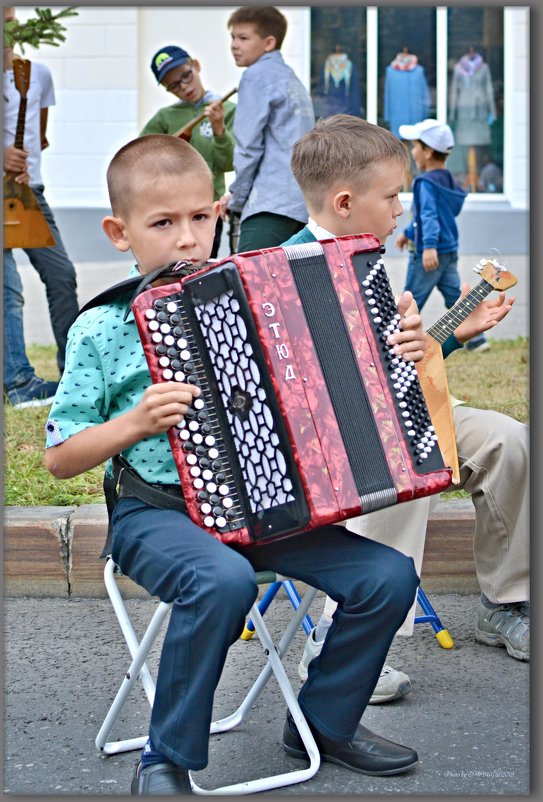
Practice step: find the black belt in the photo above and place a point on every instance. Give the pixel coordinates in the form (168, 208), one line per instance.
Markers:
(129, 483)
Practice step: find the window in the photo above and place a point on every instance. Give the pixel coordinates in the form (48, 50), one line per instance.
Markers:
(406, 52)
(409, 57)
(475, 102)
(338, 61)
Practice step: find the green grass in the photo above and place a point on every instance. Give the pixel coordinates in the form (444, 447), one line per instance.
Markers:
(495, 379)
(26, 481)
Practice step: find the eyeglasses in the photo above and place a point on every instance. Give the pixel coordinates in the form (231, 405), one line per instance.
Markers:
(184, 79)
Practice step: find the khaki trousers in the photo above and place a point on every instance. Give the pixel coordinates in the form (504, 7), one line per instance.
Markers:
(494, 465)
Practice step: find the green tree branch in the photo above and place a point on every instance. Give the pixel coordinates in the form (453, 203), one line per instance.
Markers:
(44, 29)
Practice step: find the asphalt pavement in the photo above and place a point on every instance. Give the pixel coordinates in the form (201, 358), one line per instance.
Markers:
(467, 716)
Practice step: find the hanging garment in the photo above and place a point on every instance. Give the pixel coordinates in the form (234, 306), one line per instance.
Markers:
(406, 97)
(471, 103)
(338, 88)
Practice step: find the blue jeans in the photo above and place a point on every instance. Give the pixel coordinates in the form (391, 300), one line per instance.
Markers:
(212, 587)
(446, 278)
(58, 275)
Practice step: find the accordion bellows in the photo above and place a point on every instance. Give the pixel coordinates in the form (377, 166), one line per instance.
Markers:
(306, 416)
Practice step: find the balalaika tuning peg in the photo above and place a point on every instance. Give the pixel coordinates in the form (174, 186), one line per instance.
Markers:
(500, 268)
(480, 265)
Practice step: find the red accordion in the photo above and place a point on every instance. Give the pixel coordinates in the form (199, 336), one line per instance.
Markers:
(306, 417)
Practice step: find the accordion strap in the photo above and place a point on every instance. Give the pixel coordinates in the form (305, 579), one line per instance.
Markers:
(138, 284)
(126, 482)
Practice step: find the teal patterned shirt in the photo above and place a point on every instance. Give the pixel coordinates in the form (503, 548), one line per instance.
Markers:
(105, 376)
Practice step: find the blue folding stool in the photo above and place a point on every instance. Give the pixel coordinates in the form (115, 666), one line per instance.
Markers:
(430, 616)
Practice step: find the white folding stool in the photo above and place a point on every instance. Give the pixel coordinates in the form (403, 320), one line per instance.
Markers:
(274, 654)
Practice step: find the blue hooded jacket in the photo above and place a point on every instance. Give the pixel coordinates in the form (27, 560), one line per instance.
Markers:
(437, 200)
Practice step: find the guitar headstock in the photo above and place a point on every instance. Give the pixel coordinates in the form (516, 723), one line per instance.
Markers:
(495, 274)
(21, 73)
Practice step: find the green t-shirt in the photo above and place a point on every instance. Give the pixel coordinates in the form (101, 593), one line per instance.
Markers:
(218, 151)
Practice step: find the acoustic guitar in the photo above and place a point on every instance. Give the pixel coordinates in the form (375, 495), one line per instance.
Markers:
(24, 223)
(431, 369)
(186, 132)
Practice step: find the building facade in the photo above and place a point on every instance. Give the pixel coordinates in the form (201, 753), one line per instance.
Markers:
(468, 66)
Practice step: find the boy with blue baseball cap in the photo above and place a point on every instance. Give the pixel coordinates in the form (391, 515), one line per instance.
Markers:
(179, 74)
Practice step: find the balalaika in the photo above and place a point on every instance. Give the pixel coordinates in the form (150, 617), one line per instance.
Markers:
(306, 417)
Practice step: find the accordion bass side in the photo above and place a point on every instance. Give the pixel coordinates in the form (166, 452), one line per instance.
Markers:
(306, 417)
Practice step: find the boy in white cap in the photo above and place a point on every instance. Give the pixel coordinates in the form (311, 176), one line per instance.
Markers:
(433, 233)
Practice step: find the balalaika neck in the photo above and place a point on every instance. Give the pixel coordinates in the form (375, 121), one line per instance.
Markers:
(445, 326)
(20, 130)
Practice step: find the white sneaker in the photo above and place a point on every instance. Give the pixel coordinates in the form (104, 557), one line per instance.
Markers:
(391, 684)
(311, 650)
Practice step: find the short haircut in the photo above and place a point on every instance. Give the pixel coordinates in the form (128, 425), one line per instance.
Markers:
(341, 148)
(438, 154)
(267, 21)
(150, 156)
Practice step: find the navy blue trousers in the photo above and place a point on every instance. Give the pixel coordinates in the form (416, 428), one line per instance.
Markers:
(212, 587)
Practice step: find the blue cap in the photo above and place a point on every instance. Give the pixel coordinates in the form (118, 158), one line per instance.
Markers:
(166, 59)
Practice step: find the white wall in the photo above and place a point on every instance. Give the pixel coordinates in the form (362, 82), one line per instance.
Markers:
(517, 106)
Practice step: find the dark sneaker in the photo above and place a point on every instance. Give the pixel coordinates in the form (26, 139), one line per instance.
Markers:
(478, 343)
(507, 625)
(35, 393)
(160, 779)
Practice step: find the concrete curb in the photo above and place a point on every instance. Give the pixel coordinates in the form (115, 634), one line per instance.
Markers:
(54, 551)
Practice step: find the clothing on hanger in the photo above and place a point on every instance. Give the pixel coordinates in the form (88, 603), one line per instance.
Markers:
(338, 87)
(406, 92)
(337, 67)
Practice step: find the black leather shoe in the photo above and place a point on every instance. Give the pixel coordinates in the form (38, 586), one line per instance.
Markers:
(160, 779)
(365, 752)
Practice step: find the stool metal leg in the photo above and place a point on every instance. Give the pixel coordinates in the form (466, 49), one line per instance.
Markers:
(431, 617)
(266, 600)
(138, 667)
(273, 665)
(139, 670)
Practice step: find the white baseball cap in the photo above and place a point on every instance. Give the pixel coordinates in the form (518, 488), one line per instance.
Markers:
(434, 134)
